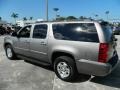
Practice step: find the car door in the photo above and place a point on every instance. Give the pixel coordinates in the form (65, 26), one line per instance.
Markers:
(22, 43)
(38, 43)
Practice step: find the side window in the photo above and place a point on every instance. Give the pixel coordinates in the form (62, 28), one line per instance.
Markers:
(40, 31)
(85, 32)
(25, 32)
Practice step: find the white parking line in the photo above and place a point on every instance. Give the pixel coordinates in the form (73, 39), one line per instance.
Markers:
(0, 59)
(54, 83)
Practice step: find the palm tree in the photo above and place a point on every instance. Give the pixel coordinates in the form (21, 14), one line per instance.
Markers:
(61, 18)
(24, 19)
(70, 18)
(56, 10)
(96, 15)
(0, 18)
(107, 13)
(31, 18)
(15, 16)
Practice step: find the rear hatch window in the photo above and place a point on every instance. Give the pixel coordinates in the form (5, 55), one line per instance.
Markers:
(110, 39)
(85, 32)
(107, 30)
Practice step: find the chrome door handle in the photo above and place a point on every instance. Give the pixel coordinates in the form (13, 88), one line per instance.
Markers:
(43, 43)
(27, 41)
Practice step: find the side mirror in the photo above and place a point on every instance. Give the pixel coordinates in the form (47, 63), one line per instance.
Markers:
(14, 34)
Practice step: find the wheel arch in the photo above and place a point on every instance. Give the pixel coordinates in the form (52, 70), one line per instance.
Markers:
(60, 53)
(5, 44)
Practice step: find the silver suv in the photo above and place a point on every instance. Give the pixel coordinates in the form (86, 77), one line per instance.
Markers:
(70, 47)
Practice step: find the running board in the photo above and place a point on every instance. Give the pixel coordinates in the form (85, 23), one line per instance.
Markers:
(27, 59)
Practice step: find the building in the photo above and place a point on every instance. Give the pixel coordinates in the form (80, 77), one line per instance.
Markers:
(23, 23)
(115, 22)
(3, 22)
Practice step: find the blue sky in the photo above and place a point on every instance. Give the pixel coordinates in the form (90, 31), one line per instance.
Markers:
(36, 8)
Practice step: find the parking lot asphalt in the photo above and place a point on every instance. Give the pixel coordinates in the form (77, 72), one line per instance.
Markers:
(21, 75)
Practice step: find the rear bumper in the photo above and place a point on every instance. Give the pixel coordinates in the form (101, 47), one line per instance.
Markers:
(97, 68)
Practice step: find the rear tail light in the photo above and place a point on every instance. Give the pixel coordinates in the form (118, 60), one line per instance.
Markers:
(103, 52)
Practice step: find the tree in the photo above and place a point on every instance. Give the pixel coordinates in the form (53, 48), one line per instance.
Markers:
(0, 18)
(96, 15)
(71, 18)
(56, 11)
(15, 16)
(24, 19)
(31, 18)
(90, 18)
(107, 13)
(61, 19)
(119, 25)
(81, 18)
(101, 20)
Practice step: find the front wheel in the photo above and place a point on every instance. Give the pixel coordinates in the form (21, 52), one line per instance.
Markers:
(65, 68)
(9, 52)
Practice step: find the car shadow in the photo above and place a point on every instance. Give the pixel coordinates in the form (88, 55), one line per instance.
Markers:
(48, 67)
(112, 79)
(80, 78)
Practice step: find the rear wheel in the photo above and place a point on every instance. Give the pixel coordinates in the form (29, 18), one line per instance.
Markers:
(9, 52)
(65, 68)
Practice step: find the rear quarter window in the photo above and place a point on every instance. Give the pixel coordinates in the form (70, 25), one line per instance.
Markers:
(85, 32)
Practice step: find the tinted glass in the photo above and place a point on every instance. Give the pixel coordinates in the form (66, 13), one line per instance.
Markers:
(107, 30)
(25, 32)
(40, 31)
(76, 32)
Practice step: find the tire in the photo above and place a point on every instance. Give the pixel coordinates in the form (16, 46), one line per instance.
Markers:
(9, 52)
(65, 68)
